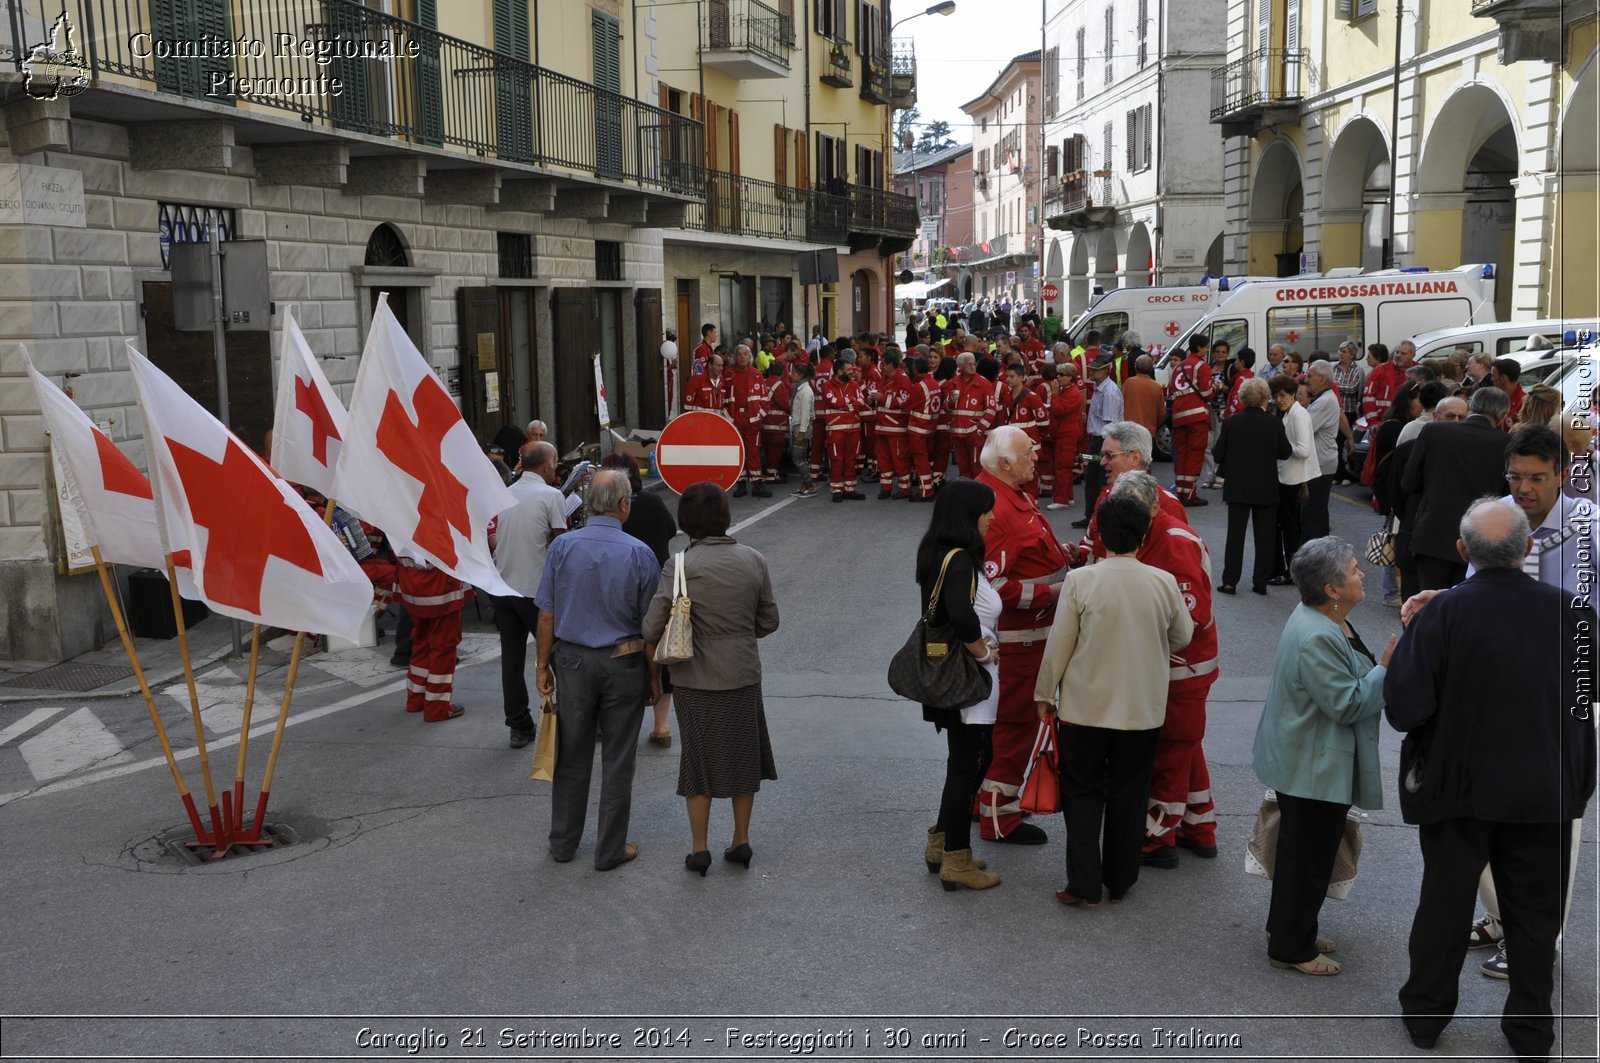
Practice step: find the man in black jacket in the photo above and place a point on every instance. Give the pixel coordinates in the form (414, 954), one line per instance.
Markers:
(1450, 466)
(1498, 760)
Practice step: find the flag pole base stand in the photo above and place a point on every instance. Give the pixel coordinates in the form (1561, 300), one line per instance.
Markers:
(249, 840)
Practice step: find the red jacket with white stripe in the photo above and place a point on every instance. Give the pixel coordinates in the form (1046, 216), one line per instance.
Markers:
(1026, 412)
(1175, 548)
(1233, 392)
(1022, 560)
(1091, 546)
(1378, 394)
(973, 410)
(746, 400)
(922, 405)
(1190, 390)
(778, 404)
(705, 394)
(894, 401)
(840, 404)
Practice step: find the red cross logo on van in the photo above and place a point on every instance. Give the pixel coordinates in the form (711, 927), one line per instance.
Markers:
(1292, 336)
(1171, 329)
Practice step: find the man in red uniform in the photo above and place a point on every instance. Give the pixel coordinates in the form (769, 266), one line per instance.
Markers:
(1126, 447)
(433, 599)
(1067, 407)
(1190, 391)
(775, 426)
(871, 381)
(1025, 564)
(704, 349)
(1032, 348)
(1039, 380)
(1507, 373)
(821, 380)
(972, 411)
(1384, 380)
(840, 405)
(894, 399)
(746, 392)
(1244, 363)
(1021, 407)
(922, 410)
(1181, 809)
(943, 439)
(707, 391)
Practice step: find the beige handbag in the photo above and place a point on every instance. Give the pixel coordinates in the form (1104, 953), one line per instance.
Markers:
(677, 638)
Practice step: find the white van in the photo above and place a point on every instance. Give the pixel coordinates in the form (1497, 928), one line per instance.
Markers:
(1308, 314)
(1501, 338)
(1156, 313)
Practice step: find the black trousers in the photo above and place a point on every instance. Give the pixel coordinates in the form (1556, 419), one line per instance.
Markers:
(1288, 528)
(1530, 864)
(1094, 477)
(1308, 843)
(970, 751)
(1263, 522)
(1409, 584)
(1314, 516)
(516, 619)
(1437, 574)
(1105, 792)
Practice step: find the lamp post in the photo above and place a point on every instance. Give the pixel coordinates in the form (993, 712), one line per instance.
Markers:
(946, 7)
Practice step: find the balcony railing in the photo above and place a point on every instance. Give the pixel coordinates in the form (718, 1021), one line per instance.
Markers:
(744, 206)
(903, 73)
(429, 88)
(1257, 82)
(748, 26)
(875, 84)
(880, 211)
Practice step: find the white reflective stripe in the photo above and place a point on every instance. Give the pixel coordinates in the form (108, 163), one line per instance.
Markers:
(1153, 827)
(697, 454)
(1208, 817)
(434, 599)
(1032, 634)
(1190, 671)
(1025, 599)
(1199, 797)
(414, 687)
(1171, 808)
(441, 677)
(995, 786)
(999, 581)
(436, 695)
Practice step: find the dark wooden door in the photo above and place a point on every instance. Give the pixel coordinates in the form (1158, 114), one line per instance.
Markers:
(574, 316)
(647, 347)
(485, 368)
(189, 358)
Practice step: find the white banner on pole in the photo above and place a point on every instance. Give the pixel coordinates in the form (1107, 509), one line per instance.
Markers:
(600, 395)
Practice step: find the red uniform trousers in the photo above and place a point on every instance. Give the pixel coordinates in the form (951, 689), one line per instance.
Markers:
(894, 461)
(844, 446)
(1064, 448)
(434, 641)
(1046, 472)
(773, 444)
(1016, 725)
(1189, 454)
(967, 447)
(1180, 786)
(866, 452)
(917, 447)
(819, 447)
(750, 434)
(939, 457)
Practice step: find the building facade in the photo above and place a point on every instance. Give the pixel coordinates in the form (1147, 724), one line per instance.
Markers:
(1362, 133)
(1133, 187)
(941, 183)
(1002, 259)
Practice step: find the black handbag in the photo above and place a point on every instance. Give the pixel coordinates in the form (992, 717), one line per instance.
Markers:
(934, 667)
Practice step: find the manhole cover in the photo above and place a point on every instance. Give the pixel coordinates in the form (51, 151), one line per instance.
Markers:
(71, 676)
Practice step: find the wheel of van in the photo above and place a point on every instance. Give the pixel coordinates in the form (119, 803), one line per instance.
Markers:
(1163, 443)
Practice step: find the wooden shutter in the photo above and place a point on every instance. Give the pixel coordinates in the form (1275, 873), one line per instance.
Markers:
(802, 159)
(607, 37)
(429, 89)
(713, 118)
(841, 27)
(663, 96)
(647, 347)
(780, 153)
(1291, 26)
(733, 142)
(513, 95)
(1105, 156)
(478, 313)
(1133, 140)
(1148, 134)
(575, 341)
(840, 160)
(1263, 25)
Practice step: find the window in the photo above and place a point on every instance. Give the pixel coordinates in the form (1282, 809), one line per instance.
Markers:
(516, 255)
(1139, 138)
(830, 19)
(1235, 332)
(983, 161)
(1143, 32)
(1110, 326)
(1052, 162)
(607, 260)
(1052, 80)
(1111, 41)
(1315, 328)
(1350, 10)
(831, 163)
(1082, 59)
(1072, 151)
(1105, 155)
(869, 30)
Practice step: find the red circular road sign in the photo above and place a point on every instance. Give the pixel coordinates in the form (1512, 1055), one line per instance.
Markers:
(1050, 292)
(699, 446)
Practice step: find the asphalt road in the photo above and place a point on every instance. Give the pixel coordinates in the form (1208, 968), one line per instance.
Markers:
(419, 904)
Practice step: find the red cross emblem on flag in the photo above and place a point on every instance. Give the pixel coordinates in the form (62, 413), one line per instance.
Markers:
(415, 449)
(309, 402)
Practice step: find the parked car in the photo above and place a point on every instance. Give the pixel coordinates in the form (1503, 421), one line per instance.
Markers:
(1501, 338)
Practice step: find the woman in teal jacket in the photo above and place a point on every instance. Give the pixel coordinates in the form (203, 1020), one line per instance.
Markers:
(1317, 745)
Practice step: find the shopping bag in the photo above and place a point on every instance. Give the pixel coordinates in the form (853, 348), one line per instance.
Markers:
(544, 747)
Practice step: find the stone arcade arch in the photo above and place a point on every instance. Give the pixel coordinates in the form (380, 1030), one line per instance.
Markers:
(1105, 260)
(1138, 264)
(1355, 196)
(1574, 283)
(1276, 201)
(1078, 293)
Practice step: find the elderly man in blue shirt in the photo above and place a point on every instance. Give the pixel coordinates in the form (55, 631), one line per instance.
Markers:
(1105, 406)
(592, 598)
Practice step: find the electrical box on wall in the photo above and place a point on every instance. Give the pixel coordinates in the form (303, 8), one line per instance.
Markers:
(246, 298)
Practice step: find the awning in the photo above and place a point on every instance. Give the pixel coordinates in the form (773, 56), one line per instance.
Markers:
(917, 290)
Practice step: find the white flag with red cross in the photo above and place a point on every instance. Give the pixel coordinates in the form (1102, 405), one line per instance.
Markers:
(256, 551)
(105, 500)
(309, 422)
(410, 464)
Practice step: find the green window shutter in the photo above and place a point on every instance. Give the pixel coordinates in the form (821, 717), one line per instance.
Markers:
(352, 108)
(513, 86)
(430, 92)
(607, 33)
(190, 20)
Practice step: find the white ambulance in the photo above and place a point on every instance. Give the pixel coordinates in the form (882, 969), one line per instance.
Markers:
(1157, 314)
(1308, 314)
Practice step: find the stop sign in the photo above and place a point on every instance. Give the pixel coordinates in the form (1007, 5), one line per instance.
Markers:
(699, 446)
(1050, 292)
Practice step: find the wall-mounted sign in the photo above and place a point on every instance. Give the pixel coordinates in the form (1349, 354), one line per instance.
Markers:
(41, 195)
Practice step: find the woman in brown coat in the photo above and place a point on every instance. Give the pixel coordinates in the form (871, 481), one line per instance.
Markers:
(717, 692)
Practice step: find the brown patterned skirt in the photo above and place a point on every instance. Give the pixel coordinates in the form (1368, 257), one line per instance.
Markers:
(724, 736)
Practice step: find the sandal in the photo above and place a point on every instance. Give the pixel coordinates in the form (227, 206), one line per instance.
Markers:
(1321, 965)
(1327, 945)
(662, 740)
(1483, 933)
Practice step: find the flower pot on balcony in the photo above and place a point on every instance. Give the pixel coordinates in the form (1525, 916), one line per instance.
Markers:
(838, 71)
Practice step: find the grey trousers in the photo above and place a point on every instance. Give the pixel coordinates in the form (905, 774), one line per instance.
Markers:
(595, 690)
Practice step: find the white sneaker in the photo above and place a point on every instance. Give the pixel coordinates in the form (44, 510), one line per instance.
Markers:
(1392, 600)
(1059, 505)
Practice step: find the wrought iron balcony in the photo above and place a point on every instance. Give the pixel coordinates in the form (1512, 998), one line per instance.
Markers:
(880, 212)
(340, 65)
(746, 39)
(744, 206)
(836, 68)
(903, 74)
(875, 82)
(1080, 201)
(1259, 90)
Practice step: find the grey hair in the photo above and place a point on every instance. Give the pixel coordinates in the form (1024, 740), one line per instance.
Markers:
(1133, 437)
(1142, 486)
(607, 491)
(742, 347)
(1255, 392)
(536, 454)
(1132, 338)
(965, 357)
(1350, 345)
(1060, 348)
(1488, 550)
(1322, 367)
(1319, 563)
(1007, 442)
(540, 425)
(1489, 401)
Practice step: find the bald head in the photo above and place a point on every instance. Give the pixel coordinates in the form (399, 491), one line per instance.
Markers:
(1494, 534)
(1451, 408)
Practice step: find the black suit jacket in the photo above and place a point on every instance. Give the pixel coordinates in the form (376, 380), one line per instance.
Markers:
(1248, 449)
(1450, 467)
(1491, 684)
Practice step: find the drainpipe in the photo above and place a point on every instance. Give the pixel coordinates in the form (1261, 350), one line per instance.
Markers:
(1390, 258)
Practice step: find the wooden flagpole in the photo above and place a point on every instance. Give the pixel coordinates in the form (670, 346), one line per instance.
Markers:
(254, 837)
(149, 698)
(235, 815)
(218, 840)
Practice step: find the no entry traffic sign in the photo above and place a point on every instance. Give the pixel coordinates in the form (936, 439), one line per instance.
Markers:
(699, 446)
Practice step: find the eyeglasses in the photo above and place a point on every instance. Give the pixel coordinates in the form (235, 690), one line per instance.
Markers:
(1538, 479)
(1107, 455)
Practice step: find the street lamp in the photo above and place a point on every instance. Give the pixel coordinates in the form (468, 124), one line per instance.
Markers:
(946, 7)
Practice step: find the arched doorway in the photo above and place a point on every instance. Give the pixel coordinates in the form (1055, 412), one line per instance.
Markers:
(1574, 286)
(1215, 262)
(1078, 277)
(1466, 204)
(1105, 260)
(1276, 199)
(966, 287)
(1138, 265)
(386, 248)
(1355, 197)
(861, 301)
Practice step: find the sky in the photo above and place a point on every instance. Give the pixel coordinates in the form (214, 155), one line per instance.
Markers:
(960, 54)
